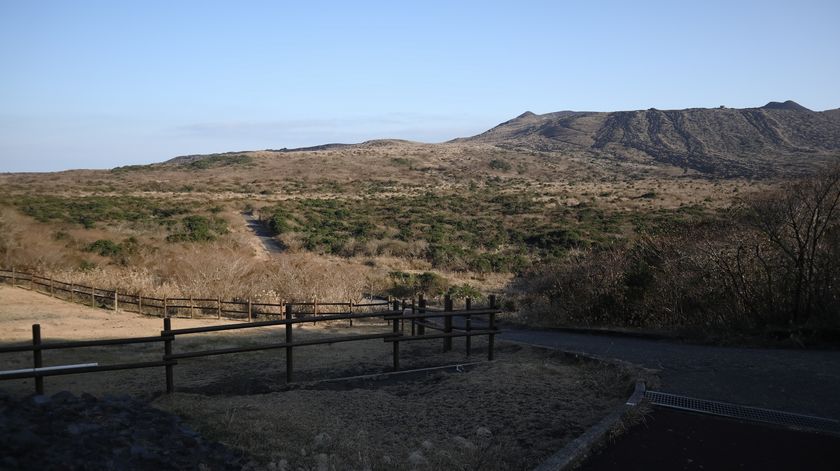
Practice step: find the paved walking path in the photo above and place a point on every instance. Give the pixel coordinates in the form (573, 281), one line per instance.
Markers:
(799, 381)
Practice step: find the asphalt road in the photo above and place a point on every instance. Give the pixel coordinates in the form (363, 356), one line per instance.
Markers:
(675, 440)
(798, 381)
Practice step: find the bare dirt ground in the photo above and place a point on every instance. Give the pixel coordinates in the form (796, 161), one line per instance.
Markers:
(19, 309)
(508, 414)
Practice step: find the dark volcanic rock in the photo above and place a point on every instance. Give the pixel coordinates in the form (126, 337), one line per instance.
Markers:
(68, 432)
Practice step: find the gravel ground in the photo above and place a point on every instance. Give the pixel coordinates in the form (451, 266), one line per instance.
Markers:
(64, 431)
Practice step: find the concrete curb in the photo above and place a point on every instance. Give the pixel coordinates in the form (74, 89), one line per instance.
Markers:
(573, 453)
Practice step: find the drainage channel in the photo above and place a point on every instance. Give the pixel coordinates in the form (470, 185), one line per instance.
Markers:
(736, 411)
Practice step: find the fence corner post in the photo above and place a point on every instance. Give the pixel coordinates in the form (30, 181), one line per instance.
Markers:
(492, 337)
(36, 356)
(290, 364)
(468, 325)
(413, 323)
(250, 313)
(447, 323)
(167, 352)
(396, 342)
(421, 327)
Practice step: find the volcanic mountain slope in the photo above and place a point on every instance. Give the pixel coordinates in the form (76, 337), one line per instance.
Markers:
(776, 139)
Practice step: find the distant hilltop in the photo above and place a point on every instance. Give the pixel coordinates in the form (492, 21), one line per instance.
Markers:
(722, 141)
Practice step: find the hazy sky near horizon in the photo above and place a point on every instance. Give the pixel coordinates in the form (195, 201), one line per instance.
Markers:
(98, 84)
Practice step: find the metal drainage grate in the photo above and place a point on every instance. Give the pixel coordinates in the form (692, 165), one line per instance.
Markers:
(743, 412)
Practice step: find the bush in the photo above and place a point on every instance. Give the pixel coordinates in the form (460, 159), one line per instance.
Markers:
(499, 164)
(104, 247)
(464, 291)
(199, 229)
(408, 285)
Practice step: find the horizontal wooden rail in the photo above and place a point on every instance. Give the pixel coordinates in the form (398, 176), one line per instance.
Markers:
(267, 304)
(300, 320)
(89, 369)
(83, 343)
(469, 333)
(272, 346)
(428, 325)
(478, 312)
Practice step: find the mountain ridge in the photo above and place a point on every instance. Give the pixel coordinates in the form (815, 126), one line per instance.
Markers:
(779, 138)
(718, 141)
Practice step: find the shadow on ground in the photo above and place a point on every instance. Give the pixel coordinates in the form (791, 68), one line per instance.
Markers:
(676, 440)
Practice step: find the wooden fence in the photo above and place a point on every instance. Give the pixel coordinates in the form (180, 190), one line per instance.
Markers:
(416, 313)
(397, 317)
(188, 307)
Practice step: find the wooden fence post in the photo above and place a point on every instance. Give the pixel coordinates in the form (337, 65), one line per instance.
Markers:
(116, 301)
(421, 329)
(52, 290)
(36, 354)
(71, 293)
(290, 364)
(92, 297)
(413, 310)
(351, 312)
(447, 323)
(165, 310)
(402, 313)
(219, 307)
(468, 326)
(14, 277)
(140, 303)
(167, 351)
(396, 342)
(250, 314)
(31, 282)
(492, 337)
(192, 308)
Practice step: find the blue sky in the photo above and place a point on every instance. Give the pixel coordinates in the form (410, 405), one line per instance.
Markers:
(88, 84)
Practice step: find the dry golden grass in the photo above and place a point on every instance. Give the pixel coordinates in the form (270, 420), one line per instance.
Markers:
(236, 264)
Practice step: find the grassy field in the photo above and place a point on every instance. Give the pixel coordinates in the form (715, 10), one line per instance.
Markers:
(362, 219)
